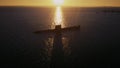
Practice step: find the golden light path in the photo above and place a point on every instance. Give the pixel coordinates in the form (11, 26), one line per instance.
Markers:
(58, 20)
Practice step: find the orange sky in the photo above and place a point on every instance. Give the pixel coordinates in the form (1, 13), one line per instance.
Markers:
(82, 3)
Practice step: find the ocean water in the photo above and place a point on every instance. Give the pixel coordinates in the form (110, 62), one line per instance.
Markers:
(95, 45)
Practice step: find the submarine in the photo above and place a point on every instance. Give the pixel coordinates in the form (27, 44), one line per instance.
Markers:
(59, 28)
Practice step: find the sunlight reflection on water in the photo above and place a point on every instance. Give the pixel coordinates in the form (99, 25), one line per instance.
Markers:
(58, 18)
(49, 45)
(53, 41)
(49, 42)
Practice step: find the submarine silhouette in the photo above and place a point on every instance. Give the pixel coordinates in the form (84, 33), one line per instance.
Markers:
(58, 28)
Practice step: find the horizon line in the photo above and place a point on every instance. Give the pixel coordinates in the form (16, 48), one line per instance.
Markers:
(51, 6)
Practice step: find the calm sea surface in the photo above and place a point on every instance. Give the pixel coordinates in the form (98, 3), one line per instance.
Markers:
(95, 45)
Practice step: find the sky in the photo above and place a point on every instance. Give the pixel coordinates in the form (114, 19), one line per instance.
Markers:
(81, 3)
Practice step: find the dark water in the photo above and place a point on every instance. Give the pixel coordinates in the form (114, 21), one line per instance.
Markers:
(96, 45)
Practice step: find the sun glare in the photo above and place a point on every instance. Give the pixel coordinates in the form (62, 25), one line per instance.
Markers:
(58, 2)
